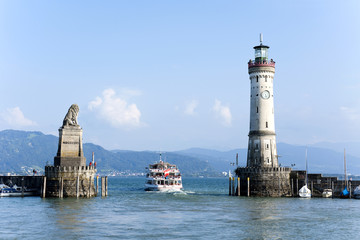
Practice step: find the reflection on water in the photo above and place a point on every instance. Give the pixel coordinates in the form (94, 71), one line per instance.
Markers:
(69, 213)
(202, 211)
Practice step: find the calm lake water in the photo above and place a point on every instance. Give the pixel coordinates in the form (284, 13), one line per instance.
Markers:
(202, 211)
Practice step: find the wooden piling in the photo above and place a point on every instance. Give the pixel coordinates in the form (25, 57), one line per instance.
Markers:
(44, 187)
(97, 185)
(22, 187)
(89, 192)
(279, 186)
(106, 186)
(102, 186)
(332, 189)
(61, 187)
(233, 186)
(312, 187)
(292, 187)
(77, 186)
(349, 189)
(297, 187)
(229, 186)
(248, 186)
(238, 186)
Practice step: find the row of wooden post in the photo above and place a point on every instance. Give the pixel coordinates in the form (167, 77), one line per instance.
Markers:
(104, 187)
(232, 186)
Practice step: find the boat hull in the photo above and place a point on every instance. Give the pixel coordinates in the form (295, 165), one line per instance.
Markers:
(15, 193)
(150, 187)
(305, 192)
(327, 193)
(305, 195)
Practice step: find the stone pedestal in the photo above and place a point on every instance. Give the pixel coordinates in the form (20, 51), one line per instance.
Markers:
(70, 149)
(70, 177)
(65, 181)
(265, 181)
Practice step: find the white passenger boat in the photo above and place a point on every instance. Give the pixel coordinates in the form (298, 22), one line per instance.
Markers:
(163, 176)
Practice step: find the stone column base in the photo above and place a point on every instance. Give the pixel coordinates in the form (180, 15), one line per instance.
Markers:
(265, 182)
(63, 181)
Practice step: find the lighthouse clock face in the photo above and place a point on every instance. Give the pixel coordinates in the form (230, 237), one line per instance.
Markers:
(265, 94)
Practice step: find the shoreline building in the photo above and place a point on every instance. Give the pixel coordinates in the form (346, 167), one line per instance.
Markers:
(266, 178)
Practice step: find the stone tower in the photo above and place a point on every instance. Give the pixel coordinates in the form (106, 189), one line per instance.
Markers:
(265, 176)
(69, 176)
(262, 144)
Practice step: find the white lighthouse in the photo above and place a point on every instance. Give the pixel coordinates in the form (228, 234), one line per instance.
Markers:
(262, 143)
(262, 175)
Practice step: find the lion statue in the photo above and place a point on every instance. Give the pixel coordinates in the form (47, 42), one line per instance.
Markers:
(71, 116)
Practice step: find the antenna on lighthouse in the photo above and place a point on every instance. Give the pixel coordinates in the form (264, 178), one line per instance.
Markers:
(261, 38)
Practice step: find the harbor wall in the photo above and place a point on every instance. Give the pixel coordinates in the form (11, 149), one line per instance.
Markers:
(317, 183)
(33, 182)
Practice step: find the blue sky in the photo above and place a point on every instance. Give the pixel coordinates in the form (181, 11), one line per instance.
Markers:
(169, 75)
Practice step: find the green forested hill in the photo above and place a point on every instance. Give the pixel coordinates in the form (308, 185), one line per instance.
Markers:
(35, 150)
(19, 149)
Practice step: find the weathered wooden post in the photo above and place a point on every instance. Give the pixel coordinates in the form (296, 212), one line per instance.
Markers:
(229, 186)
(44, 187)
(297, 187)
(279, 186)
(238, 186)
(97, 185)
(106, 186)
(312, 187)
(248, 186)
(332, 189)
(233, 186)
(102, 186)
(77, 186)
(349, 189)
(89, 193)
(292, 187)
(61, 192)
(22, 187)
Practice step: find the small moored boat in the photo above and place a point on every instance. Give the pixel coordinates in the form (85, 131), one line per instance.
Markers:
(357, 192)
(305, 192)
(15, 191)
(327, 193)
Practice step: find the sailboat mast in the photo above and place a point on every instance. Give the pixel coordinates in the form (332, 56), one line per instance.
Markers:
(346, 183)
(306, 178)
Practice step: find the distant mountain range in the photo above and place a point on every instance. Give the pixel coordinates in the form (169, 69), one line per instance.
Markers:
(22, 149)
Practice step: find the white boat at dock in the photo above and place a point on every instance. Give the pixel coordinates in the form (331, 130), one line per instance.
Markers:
(327, 193)
(357, 192)
(305, 192)
(163, 176)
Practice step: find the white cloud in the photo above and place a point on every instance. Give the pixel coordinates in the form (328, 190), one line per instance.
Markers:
(222, 112)
(190, 107)
(15, 117)
(115, 110)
